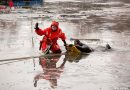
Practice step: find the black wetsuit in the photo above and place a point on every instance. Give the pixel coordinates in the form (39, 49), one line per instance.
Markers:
(83, 47)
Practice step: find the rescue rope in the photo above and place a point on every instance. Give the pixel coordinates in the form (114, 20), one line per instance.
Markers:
(85, 39)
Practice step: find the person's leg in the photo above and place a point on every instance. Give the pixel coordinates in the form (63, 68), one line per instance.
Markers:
(43, 46)
(56, 48)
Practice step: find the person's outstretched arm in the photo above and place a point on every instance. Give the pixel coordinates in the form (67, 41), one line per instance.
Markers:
(38, 30)
(63, 38)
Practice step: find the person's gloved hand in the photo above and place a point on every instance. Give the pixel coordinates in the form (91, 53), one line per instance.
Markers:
(36, 26)
(65, 44)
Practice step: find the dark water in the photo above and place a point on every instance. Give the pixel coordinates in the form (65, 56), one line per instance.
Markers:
(107, 20)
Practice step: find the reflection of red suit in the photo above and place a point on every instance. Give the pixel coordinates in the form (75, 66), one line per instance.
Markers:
(51, 72)
(50, 69)
(51, 36)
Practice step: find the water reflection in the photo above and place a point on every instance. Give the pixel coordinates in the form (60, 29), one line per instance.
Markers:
(5, 24)
(50, 70)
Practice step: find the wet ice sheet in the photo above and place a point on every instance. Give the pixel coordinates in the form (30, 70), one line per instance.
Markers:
(107, 21)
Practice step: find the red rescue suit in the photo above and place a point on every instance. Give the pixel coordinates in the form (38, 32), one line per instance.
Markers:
(51, 37)
(11, 4)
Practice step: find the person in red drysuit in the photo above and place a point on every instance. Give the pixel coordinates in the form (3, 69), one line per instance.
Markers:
(11, 4)
(51, 35)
